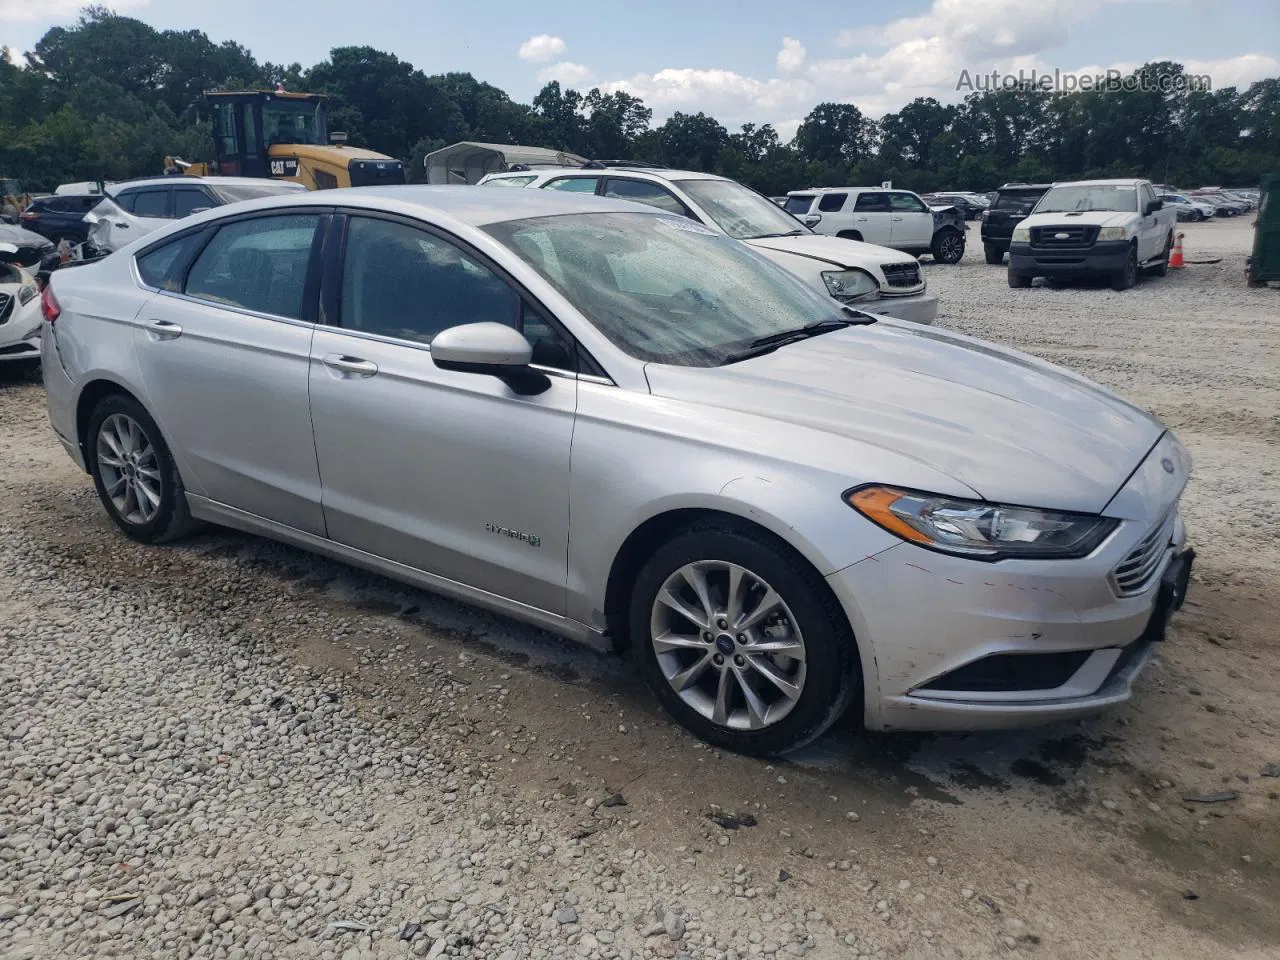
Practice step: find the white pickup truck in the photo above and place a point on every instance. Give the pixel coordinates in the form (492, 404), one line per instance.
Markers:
(1090, 228)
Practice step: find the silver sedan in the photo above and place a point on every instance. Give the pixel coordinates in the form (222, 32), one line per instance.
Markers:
(627, 429)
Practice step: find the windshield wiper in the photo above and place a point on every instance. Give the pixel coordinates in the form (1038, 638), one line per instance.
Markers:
(768, 236)
(772, 341)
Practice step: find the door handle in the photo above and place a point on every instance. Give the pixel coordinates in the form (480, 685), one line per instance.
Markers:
(164, 330)
(862, 219)
(350, 365)
(896, 219)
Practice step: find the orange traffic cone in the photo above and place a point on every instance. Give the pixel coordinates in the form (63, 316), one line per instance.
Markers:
(1175, 259)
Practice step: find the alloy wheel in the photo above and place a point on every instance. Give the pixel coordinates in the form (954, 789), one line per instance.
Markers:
(129, 468)
(728, 645)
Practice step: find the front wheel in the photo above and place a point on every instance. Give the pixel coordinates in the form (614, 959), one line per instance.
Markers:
(134, 472)
(1126, 276)
(1196, 216)
(993, 253)
(948, 246)
(742, 641)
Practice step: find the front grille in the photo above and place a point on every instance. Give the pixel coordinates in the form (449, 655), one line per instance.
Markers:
(1080, 235)
(1136, 571)
(6, 306)
(901, 274)
(1010, 672)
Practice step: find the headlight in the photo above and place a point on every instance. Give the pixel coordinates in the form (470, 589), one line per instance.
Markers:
(983, 531)
(1111, 233)
(28, 292)
(1022, 234)
(850, 285)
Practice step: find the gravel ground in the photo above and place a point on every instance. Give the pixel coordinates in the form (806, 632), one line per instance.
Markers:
(228, 748)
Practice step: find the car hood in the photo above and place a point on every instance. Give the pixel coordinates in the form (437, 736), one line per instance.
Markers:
(1097, 218)
(833, 250)
(1012, 428)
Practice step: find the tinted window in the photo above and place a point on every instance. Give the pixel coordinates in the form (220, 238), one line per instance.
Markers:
(186, 200)
(406, 283)
(156, 265)
(906, 203)
(258, 264)
(798, 204)
(125, 200)
(832, 202)
(872, 203)
(1016, 202)
(89, 202)
(574, 184)
(641, 191)
(509, 181)
(151, 203)
(241, 191)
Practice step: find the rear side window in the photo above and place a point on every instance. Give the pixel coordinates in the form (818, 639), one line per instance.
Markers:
(798, 204)
(157, 266)
(650, 194)
(151, 203)
(258, 264)
(1019, 202)
(872, 203)
(832, 202)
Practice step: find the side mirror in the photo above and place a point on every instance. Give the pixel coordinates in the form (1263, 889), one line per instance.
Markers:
(811, 219)
(493, 349)
(1154, 205)
(195, 210)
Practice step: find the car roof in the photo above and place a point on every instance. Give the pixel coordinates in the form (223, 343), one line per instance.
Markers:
(794, 193)
(649, 173)
(1120, 182)
(467, 204)
(184, 178)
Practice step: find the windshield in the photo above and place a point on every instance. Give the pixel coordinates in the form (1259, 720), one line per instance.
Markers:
(741, 213)
(293, 121)
(1077, 199)
(798, 204)
(254, 191)
(510, 181)
(662, 288)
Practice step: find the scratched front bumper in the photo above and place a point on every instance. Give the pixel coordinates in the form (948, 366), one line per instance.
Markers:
(918, 615)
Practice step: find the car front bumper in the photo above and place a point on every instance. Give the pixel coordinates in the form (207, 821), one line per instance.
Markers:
(919, 309)
(20, 334)
(927, 621)
(1102, 258)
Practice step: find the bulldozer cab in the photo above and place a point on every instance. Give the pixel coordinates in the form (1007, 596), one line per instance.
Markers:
(248, 123)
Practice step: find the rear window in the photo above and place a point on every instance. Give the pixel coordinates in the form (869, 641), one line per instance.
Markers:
(832, 202)
(798, 204)
(254, 191)
(1016, 201)
(509, 181)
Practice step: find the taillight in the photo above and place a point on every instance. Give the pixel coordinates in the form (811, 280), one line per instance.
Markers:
(28, 215)
(49, 305)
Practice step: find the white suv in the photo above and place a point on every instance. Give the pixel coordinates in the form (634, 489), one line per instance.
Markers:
(875, 278)
(891, 218)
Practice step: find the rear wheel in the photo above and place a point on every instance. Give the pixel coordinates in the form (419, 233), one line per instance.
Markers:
(993, 253)
(1126, 276)
(948, 246)
(1018, 281)
(134, 472)
(741, 641)
(1196, 216)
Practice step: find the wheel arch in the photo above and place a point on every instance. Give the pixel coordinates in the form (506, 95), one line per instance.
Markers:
(850, 235)
(95, 390)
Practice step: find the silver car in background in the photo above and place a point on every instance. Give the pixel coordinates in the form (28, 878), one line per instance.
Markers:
(639, 433)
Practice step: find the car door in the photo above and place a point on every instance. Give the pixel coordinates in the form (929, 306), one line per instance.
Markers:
(646, 192)
(1152, 234)
(911, 221)
(871, 217)
(224, 349)
(452, 473)
(147, 209)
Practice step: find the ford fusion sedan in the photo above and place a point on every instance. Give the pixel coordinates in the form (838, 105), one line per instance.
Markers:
(635, 431)
(878, 279)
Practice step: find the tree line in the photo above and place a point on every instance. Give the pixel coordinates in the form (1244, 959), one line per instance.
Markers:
(110, 96)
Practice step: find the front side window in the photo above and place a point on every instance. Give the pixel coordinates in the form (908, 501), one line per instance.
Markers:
(402, 282)
(650, 194)
(663, 289)
(906, 203)
(224, 128)
(832, 202)
(741, 213)
(574, 184)
(259, 264)
(151, 203)
(871, 203)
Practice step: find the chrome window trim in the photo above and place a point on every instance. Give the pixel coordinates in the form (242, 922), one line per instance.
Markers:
(233, 308)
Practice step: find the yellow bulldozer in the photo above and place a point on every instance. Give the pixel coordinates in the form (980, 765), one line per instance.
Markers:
(284, 136)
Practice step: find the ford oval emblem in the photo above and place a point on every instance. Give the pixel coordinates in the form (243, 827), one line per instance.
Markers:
(1062, 236)
(1167, 464)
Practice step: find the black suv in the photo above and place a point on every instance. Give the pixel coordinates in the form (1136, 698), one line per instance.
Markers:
(61, 216)
(1011, 205)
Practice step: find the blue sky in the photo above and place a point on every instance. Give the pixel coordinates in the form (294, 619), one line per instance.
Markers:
(750, 60)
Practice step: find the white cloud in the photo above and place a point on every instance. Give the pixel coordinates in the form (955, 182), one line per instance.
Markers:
(565, 73)
(791, 56)
(52, 10)
(537, 49)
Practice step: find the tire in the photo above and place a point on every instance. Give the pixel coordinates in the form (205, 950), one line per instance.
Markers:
(112, 427)
(828, 677)
(1196, 216)
(1127, 276)
(1162, 268)
(1019, 281)
(849, 235)
(948, 246)
(993, 254)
